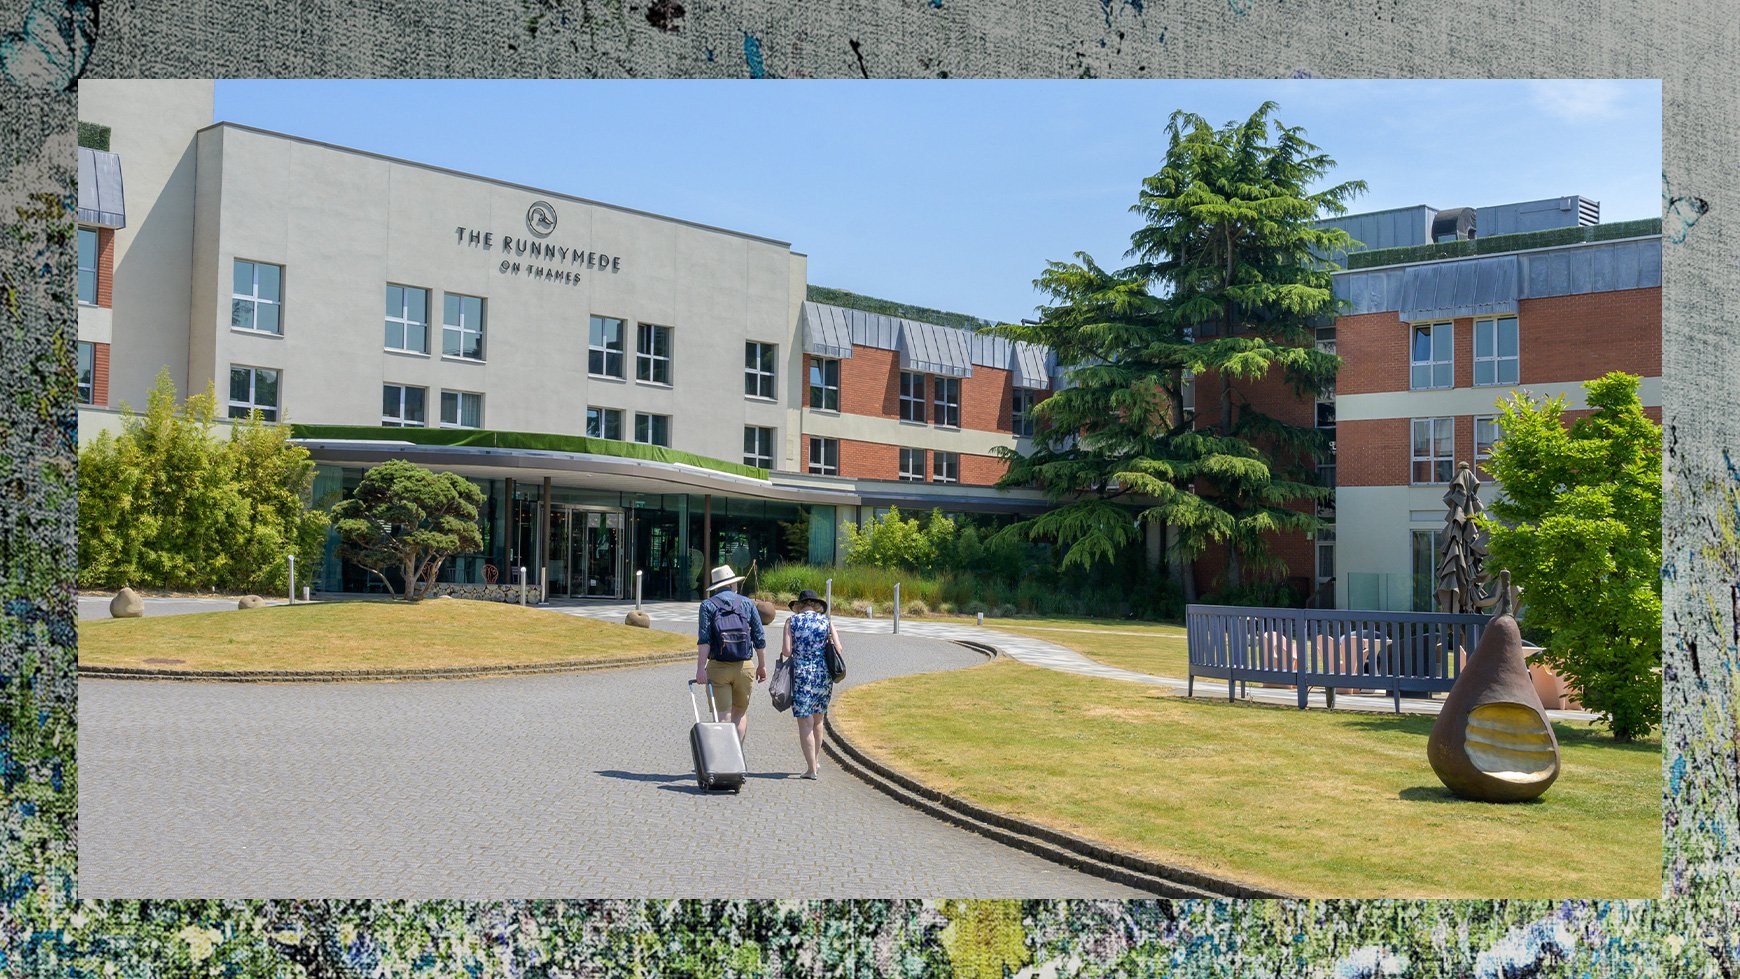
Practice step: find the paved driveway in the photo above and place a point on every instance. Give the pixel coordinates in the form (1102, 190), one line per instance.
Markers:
(554, 786)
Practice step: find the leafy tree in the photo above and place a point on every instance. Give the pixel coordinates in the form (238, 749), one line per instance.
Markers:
(1578, 525)
(890, 541)
(167, 503)
(404, 516)
(1224, 293)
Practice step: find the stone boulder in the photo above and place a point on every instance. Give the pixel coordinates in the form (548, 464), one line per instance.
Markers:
(765, 610)
(251, 601)
(639, 620)
(126, 604)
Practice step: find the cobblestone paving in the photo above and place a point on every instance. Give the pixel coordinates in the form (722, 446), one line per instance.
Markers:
(553, 786)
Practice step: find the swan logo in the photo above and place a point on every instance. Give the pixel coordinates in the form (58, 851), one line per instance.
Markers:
(541, 219)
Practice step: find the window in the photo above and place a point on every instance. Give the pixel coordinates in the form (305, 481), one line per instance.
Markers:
(87, 267)
(1434, 450)
(1325, 553)
(652, 429)
(254, 389)
(945, 467)
(604, 423)
(1431, 359)
(947, 391)
(1428, 545)
(824, 384)
(911, 397)
(758, 446)
(652, 354)
(403, 406)
(1495, 353)
(1021, 412)
(462, 327)
(256, 297)
(87, 372)
(407, 319)
(758, 365)
(461, 409)
(604, 352)
(912, 465)
(824, 456)
(1487, 433)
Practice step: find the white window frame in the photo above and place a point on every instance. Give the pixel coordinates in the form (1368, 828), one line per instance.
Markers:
(758, 382)
(85, 382)
(1021, 404)
(94, 268)
(1497, 436)
(945, 467)
(945, 410)
(463, 328)
(753, 448)
(604, 416)
(599, 325)
(1434, 426)
(1432, 365)
(819, 464)
(913, 404)
(256, 299)
(911, 465)
(819, 368)
(268, 412)
(1496, 360)
(650, 419)
(648, 361)
(401, 420)
(459, 408)
(404, 321)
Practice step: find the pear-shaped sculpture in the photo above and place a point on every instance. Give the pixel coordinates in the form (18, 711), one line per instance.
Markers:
(1492, 741)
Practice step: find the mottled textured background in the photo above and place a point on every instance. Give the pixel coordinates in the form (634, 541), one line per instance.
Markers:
(1689, 44)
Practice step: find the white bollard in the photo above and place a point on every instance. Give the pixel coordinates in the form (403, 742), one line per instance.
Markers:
(830, 595)
(897, 608)
(306, 594)
(543, 584)
(292, 579)
(637, 577)
(981, 618)
(522, 584)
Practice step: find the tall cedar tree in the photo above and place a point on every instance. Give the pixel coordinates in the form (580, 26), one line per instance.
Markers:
(1226, 289)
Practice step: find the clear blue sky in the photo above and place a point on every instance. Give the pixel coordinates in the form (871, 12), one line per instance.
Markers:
(953, 194)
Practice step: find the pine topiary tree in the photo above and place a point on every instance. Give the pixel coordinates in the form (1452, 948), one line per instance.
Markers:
(404, 516)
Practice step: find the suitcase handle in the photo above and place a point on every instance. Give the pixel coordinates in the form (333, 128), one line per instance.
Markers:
(695, 705)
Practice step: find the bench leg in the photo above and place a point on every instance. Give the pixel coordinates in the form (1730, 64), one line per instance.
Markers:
(1398, 695)
(1231, 685)
(1329, 697)
(1190, 685)
(1304, 695)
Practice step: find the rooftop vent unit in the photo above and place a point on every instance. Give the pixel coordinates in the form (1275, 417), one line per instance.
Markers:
(1455, 224)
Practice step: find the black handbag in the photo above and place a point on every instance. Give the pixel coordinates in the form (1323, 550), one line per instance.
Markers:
(836, 662)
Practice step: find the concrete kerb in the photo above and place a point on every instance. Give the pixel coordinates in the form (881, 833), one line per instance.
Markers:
(1077, 853)
(357, 676)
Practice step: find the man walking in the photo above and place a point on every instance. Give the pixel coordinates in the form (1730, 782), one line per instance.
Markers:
(730, 636)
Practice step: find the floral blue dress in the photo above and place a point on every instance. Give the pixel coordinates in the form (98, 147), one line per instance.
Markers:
(810, 684)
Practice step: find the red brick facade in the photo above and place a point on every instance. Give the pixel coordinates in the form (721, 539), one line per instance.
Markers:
(105, 268)
(100, 374)
(878, 460)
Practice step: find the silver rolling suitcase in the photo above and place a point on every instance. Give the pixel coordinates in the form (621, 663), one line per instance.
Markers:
(718, 753)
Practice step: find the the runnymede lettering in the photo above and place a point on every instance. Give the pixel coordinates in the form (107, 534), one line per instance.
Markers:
(562, 254)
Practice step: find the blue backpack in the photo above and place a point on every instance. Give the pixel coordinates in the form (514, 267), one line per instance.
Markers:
(730, 630)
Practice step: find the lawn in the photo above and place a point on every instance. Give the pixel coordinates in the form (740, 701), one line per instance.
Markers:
(364, 635)
(1317, 803)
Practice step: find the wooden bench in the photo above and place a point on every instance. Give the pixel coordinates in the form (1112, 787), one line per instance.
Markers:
(1392, 652)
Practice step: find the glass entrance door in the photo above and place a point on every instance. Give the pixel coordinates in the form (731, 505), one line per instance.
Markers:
(598, 553)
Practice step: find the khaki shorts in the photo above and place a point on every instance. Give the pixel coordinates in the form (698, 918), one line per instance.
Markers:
(731, 682)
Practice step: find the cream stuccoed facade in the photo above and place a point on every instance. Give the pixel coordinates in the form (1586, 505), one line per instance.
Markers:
(345, 225)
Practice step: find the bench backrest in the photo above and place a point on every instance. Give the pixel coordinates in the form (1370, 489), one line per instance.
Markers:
(1378, 650)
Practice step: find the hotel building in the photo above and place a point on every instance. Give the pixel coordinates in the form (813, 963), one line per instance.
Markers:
(634, 392)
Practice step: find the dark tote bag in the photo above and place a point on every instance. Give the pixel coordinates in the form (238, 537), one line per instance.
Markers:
(836, 662)
(779, 688)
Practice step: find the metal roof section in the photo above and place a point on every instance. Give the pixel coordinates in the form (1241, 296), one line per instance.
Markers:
(1029, 366)
(1542, 215)
(827, 330)
(1605, 267)
(101, 201)
(1602, 266)
(1393, 228)
(934, 349)
(1470, 287)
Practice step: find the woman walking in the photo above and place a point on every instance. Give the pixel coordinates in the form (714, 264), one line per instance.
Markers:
(807, 630)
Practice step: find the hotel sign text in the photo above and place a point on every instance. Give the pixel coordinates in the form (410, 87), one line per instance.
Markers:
(522, 255)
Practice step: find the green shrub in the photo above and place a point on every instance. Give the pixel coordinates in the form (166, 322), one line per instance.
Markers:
(917, 606)
(975, 608)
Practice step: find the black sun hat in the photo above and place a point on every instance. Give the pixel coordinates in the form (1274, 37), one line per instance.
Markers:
(807, 595)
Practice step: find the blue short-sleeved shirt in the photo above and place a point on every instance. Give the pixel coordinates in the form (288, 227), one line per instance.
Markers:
(757, 636)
